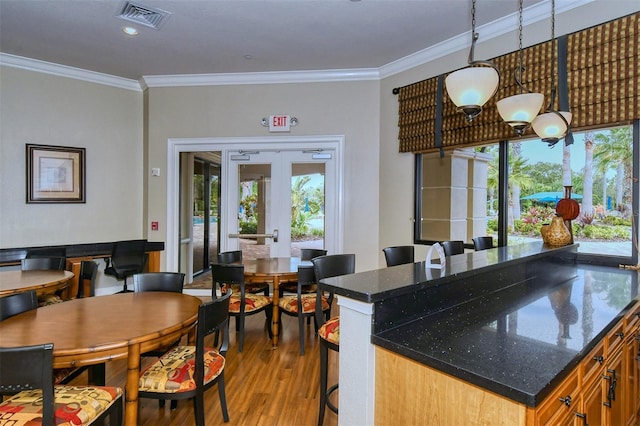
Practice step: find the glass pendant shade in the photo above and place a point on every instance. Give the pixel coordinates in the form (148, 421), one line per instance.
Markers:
(470, 88)
(550, 127)
(519, 110)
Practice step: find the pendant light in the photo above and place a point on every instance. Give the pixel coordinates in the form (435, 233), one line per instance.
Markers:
(471, 87)
(519, 110)
(552, 125)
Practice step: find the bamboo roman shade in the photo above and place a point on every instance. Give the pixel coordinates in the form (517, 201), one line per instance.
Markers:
(602, 80)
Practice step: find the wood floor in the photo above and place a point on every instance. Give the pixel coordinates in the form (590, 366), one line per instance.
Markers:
(264, 386)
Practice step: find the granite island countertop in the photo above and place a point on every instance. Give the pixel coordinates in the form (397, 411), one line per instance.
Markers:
(513, 320)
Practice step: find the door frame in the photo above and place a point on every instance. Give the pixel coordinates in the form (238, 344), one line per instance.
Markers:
(175, 146)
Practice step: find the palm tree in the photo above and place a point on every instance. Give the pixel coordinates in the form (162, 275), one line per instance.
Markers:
(615, 150)
(587, 191)
(519, 178)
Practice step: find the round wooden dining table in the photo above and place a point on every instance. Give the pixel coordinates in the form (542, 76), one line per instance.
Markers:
(43, 281)
(93, 330)
(275, 270)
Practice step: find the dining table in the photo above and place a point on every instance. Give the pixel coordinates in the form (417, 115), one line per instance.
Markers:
(42, 281)
(94, 330)
(275, 270)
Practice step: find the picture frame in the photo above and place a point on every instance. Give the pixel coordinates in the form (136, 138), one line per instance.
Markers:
(55, 174)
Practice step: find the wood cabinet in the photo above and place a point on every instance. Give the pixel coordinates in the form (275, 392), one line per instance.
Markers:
(602, 390)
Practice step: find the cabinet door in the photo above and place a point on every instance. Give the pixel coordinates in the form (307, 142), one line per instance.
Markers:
(631, 373)
(615, 388)
(592, 397)
(559, 407)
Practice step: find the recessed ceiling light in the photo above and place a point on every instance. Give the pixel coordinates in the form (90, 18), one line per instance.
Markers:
(130, 31)
(248, 57)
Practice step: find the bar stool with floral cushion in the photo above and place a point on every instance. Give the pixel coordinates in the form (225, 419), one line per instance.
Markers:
(329, 327)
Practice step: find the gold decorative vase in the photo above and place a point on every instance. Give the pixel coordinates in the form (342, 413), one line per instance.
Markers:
(556, 233)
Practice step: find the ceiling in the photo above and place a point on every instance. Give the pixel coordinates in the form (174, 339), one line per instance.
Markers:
(237, 36)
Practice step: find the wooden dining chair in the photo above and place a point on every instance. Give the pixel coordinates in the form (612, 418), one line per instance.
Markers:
(87, 279)
(17, 303)
(54, 263)
(452, 247)
(242, 303)
(306, 254)
(186, 372)
(235, 257)
(29, 370)
(303, 304)
(399, 255)
(482, 243)
(329, 327)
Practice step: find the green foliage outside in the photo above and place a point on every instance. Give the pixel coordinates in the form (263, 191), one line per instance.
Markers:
(306, 205)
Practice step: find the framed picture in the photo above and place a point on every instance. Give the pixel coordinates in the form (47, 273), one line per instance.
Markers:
(55, 174)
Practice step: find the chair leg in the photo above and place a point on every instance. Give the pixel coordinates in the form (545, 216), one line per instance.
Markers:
(198, 407)
(240, 325)
(324, 360)
(116, 415)
(269, 314)
(223, 397)
(301, 331)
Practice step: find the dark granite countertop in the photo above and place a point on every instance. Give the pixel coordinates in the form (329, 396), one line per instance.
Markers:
(522, 341)
(374, 286)
(513, 320)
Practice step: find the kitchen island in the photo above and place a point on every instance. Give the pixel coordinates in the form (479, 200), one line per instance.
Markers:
(513, 322)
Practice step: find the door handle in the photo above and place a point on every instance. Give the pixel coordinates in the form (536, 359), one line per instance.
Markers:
(273, 236)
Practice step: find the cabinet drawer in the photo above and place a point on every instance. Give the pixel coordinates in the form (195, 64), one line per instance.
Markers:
(592, 364)
(562, 401)
(632, 319)
(613, 340)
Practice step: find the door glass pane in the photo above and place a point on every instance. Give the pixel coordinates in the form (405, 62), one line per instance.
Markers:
(214, 211)
(198, 216)
(253, 209)
(307, 206)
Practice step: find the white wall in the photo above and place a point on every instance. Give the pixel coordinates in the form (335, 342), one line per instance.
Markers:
(43, 109)
(343, 108)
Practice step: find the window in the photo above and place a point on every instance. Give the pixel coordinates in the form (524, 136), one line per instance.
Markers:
(598, 169)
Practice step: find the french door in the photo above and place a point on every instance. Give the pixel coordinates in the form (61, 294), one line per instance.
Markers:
(278, 201)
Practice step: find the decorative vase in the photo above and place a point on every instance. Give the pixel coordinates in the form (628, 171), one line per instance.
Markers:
(557, 233)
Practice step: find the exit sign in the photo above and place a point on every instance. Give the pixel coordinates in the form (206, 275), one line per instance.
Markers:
(279, 123)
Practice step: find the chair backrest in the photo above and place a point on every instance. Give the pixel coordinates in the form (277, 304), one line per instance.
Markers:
(47, 252)
(234, 256)
(399, 255)
(158, 281)
(43, 263)
(308, 253)
(29, 367)
(306, 275)
(17, 303)
(452, 247)
(224, 276)
(334, 265)
(212, 317)
(88, 274)
(482, 243)
(129, 254)
(330, 266)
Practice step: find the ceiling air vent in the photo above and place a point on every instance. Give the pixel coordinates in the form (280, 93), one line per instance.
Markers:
(143, 15)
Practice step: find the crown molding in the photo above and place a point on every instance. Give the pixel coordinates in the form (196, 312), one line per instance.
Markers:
(66, 71)
(532, 14)
(314, 76)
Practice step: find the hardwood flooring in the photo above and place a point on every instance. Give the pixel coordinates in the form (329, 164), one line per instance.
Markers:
(264, 386)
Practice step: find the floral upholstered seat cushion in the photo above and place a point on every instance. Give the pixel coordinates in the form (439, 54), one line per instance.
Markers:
(174, 371)
(330, 330)
(290, 303)
(74, 405)
(252, 302)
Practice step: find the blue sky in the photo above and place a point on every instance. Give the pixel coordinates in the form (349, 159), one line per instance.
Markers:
(536, 151)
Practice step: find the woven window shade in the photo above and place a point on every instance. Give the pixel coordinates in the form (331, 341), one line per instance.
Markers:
(603, 77)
